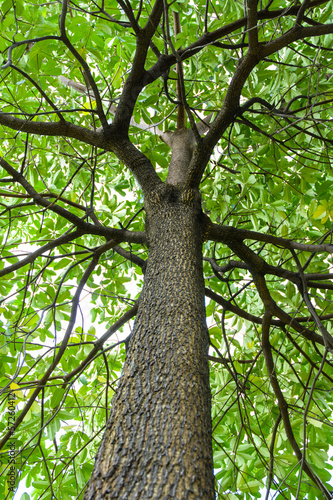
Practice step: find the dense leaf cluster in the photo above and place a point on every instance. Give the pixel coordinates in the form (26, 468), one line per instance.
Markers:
(72, 227)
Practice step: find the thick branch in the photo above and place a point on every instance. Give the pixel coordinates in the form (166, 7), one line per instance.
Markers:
(252, 27)
(138, 77)
(258, 268)
(225, 234)
(301, 12)
(166, 62)
(136, 161)
(230, 106)
(82, 226)
(297, 33)
(58, 129)
(140, 166)
(224, 118)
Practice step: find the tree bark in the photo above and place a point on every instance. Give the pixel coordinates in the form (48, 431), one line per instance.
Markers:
(158, 441)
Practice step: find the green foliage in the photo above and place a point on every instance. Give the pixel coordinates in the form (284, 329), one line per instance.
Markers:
(270, 172)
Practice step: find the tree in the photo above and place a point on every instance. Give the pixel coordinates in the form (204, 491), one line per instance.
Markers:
(153, 155)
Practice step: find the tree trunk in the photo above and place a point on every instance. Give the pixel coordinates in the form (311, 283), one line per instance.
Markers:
(157, 443)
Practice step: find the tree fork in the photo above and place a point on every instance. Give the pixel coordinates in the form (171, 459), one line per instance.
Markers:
(163, 398)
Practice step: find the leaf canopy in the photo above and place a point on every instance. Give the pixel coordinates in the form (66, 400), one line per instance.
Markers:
(72, 227)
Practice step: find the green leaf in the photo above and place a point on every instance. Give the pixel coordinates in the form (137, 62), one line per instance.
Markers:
(57, 397)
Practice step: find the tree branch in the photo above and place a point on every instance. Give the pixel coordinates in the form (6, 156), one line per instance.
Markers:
(327, 337)
(59, 354)
(84, 227)
(252, 28)
(83, 63)
(10, 49)
(226, 234)
(136, 161)
(131, 257)
(99, 343)
(301, 12)
(66, 238)
(165, 62)
(283, 406)
(297, 33)
(275, 310)
(58, 129)
(40, 90)
(138, 77)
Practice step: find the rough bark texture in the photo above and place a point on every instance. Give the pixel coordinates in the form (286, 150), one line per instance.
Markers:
(158, 439)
